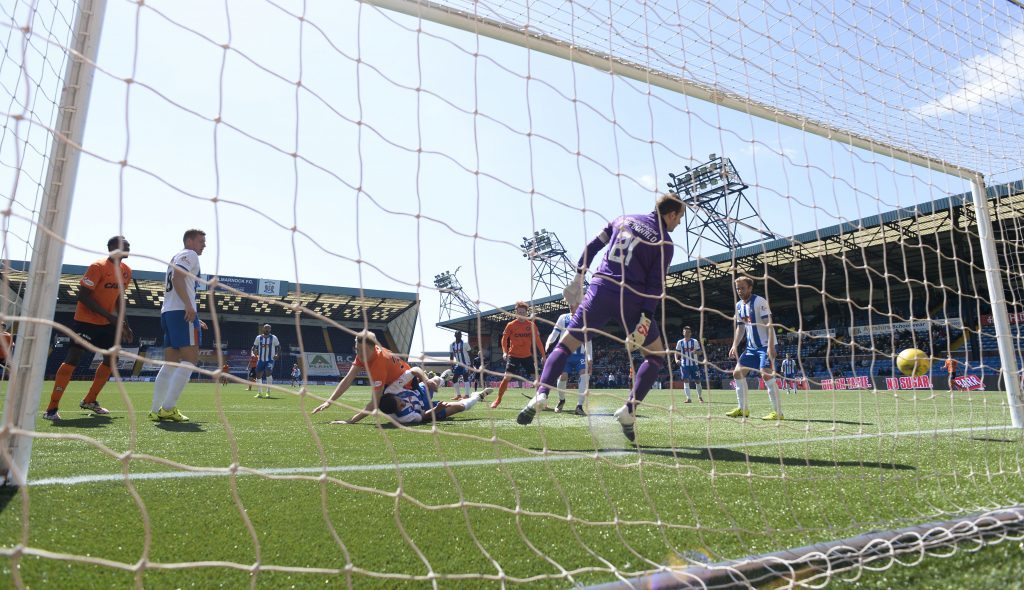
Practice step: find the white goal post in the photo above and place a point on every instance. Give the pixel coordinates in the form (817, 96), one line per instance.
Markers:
(27, 370)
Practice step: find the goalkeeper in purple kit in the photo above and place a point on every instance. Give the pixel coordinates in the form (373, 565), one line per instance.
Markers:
(626, 288)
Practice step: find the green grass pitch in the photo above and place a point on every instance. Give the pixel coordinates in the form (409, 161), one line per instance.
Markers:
(479, 501)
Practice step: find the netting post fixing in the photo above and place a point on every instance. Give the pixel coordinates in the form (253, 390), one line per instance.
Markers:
(51, 230)
(997, 295)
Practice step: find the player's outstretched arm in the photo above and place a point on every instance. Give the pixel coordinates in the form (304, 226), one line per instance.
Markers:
(340, 390)
(370, 407)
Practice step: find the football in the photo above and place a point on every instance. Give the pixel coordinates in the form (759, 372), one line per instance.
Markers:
(913, 362)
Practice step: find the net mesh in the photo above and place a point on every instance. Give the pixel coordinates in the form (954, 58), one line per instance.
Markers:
(345, 153)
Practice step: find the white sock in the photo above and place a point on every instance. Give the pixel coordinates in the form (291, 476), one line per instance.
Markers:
(563, 383)
(699, 394)
(584, 384)
(163, 381)
(741, 392)
(539, 401)
(178, 383)
(773, 394)
(270, 381)
(686, 390)
(470, 401)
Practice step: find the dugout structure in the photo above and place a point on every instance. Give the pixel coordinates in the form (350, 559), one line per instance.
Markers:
(846, 296)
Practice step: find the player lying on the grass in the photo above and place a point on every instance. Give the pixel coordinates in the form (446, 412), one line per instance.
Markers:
(97, 316)
(416, 406)
(690, 356)
(754, 322)
(583, 358)
(627, 287)
(387, 371)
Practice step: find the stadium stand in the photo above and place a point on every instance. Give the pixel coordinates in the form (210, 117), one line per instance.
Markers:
(328, 316)
(847, 298)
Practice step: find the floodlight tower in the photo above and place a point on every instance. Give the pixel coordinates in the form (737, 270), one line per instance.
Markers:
(453, 298)
(552, 269)
(713, 193)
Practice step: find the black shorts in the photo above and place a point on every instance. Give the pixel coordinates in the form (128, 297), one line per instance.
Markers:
(522, 367)
(99, 336)
(252, 372)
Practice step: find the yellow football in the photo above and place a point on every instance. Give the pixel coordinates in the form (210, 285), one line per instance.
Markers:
(913, 362)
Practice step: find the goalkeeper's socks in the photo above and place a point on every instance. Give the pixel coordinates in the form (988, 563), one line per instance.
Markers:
(470, 401)
(645, 377)
(553, 367)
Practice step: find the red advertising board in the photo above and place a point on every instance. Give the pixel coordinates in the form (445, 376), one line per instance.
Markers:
(922, 382)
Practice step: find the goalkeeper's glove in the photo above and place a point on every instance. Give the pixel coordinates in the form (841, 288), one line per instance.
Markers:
(573, 292)
(636, 339)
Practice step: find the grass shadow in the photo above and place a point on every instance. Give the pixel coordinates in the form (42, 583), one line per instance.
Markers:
(830, 422)
(180, 426)
(91, 421)
(729, 455)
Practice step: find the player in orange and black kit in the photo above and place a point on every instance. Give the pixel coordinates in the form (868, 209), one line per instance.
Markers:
(387, 371)
(518, 344)
(951, 365)
(253, 361)
(97, 316)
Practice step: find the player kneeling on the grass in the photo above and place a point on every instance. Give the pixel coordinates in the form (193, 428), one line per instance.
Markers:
(754, 322)
(388, 373)
(97, 316)
(689, 355)
(583, 358)
(183, 330)
(626, 288)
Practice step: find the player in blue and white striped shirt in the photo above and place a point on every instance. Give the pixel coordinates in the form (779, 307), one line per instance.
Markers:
(267, 349)
(789, 375)
(458, 355)
(582, 358)
(690, 356)
(415, 406)
(754, 323)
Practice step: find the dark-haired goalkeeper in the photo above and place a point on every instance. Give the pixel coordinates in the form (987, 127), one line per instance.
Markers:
(627, 287)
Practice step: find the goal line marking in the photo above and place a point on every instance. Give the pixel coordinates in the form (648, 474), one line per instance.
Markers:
(553, 456)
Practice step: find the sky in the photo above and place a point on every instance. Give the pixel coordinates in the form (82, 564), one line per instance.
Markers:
(359, 147)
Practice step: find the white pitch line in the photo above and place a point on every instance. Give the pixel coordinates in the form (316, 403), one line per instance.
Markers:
(109, 477)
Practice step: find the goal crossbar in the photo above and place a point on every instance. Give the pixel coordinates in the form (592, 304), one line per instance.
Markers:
(452, 17)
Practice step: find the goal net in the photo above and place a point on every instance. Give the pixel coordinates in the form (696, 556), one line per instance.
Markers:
(859, 163)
